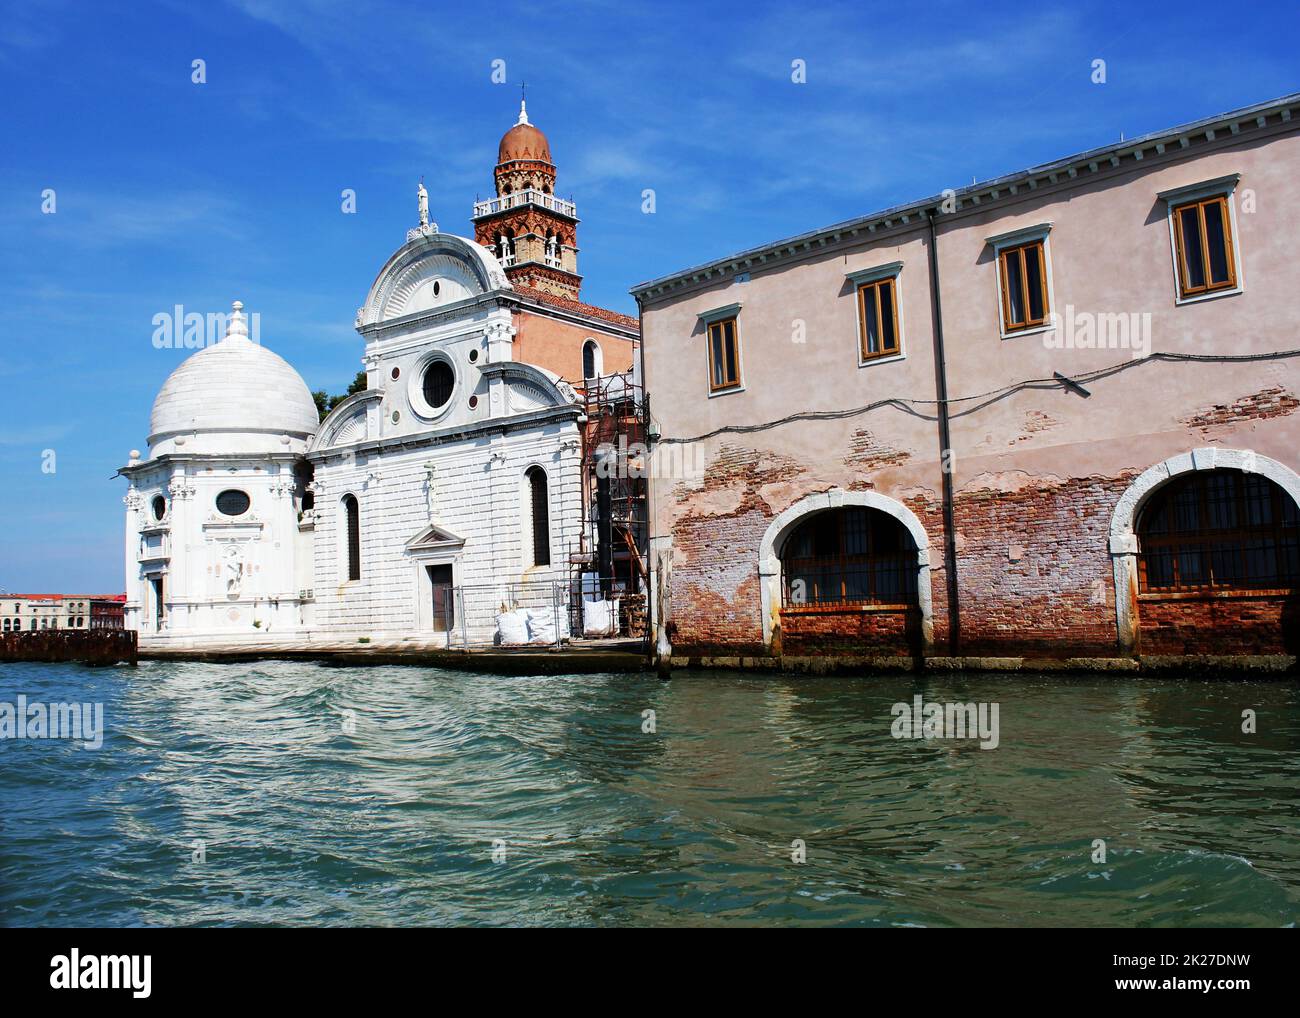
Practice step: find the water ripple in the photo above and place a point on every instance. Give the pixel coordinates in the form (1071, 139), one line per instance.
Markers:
(376, 796)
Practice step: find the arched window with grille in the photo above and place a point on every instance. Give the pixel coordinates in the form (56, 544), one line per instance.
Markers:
(591, 360)
(352, 528)
(852, 555)
(540, 510)
(1219, 530)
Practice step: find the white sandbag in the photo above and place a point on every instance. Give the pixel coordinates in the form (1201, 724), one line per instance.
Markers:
(541, 625)
(595, 618)
(599, 618)
(512, 627)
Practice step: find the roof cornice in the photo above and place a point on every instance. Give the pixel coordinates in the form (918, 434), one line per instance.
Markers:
(1275, 115)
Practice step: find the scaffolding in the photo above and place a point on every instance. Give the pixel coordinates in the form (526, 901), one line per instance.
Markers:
(610, 564)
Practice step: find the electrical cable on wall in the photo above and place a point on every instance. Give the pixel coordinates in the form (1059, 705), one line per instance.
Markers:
(993, 395)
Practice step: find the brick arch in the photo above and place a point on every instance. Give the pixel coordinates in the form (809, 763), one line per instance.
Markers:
(1123, 522)
(769, 561)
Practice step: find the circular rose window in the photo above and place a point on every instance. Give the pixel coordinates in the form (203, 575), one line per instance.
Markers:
(439, 380)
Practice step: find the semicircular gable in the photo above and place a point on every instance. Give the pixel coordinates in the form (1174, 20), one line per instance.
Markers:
(350, 429)
(529, 387)
(346, 423)
(428, 272)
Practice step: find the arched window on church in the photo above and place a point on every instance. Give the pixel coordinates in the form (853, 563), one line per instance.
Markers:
(591, 366)
(541, 514)
(352, 527)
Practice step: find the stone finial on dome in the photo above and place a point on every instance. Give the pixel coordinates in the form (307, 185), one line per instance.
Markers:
(236, 325)
(523, 112)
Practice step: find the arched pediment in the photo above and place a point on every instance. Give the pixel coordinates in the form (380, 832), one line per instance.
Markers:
(347, 423)
(430, 271)
(529, 387)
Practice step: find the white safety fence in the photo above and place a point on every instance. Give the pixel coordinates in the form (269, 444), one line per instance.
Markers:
(542, 613)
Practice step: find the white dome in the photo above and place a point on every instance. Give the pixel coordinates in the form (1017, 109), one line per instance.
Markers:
(236, 387)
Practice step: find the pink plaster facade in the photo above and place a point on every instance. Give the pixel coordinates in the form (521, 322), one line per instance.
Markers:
(1045, 483)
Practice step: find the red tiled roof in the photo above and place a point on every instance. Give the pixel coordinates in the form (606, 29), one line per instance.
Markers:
(63, 597)
(578, 307)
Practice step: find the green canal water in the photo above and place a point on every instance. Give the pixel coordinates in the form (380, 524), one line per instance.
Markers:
(330, 796)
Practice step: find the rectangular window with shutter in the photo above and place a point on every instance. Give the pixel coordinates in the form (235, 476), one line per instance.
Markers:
(878, 318)
(1022, 271)
(724, 355)
(1203, 246)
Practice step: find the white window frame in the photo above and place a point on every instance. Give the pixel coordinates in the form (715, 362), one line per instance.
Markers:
(597, 361)
(415, 386)
(861, 277)
(1014, 238)
(526, 518)
(1173, 197)
(342, 544)
(707, 318)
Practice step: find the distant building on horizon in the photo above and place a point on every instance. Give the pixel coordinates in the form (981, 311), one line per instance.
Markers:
(34, 612)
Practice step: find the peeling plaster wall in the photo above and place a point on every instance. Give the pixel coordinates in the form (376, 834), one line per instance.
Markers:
(1037, 472)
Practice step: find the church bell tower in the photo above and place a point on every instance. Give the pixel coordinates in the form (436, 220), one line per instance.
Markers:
(533, 232)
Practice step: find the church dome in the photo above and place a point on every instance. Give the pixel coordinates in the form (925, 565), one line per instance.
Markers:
(524, 141)
(237, 387)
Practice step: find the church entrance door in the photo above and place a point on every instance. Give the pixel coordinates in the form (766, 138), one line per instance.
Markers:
(444, 602)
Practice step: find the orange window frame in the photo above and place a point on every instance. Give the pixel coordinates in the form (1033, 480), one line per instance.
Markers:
(1020, 252)
(876, 286)
(730, 379)
(1185, 287)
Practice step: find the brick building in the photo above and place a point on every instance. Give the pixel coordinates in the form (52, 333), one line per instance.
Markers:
(1049, 415)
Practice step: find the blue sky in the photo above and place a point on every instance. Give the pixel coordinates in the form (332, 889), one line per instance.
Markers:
(170, 192)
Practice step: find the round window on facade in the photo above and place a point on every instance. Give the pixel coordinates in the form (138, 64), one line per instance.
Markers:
(233, 502)
(159, 507)
(396, 374)
(439, 380)
(473, 356)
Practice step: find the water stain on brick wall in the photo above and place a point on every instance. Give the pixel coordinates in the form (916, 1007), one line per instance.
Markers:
(1034, 571)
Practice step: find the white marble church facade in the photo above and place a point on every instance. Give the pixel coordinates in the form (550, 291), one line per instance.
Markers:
(249, 522)
(445, 485)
